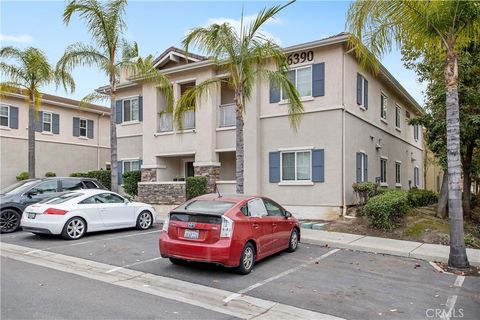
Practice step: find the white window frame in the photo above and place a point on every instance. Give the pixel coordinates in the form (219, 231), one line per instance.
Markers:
(416, 176)
(130, 161)
(383, 173)
(416, 132)
(362, 166)
(295, 166)
(362, 105)
(80, 127)
(398, 116)
(222, 119)
(311, 82)
(8, 115)
(384, 108)
(131, 109)
(161, 117)
(194, 120)
(44, 122)
(398, 173)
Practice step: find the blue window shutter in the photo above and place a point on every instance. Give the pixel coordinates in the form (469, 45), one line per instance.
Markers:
(13, 117)
(366, 167)
(140, 108)
(274, 93)
(39, 122)
(76, 127)
(90, 129)
(318, 79)
(318, 165)
(359, 167)
(55, 123)
(365, 94)
(359, 89)
(274, 166)
(120, 172)
(118, 111)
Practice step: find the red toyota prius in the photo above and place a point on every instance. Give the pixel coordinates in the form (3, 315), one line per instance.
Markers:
(234, 231)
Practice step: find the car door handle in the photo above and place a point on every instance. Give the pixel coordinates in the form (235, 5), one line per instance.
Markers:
(274, 224)
(103, 209)
(255, 225)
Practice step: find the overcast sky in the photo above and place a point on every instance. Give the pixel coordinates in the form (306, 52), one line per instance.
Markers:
(157, 25)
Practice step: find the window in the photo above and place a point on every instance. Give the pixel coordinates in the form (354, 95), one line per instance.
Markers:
(362, 167)
(69, 185)
(131, 165)
(227, 115)
(398, 112)
(130, 109)
(110, 198)
(90, 184)
(362, 91)
(273, 208)
(83, 127)
(256, 208)
(91, 200)
(302, 79)
(189, 119)
(46, 122)
(383, 171)
(416, 177)
(46, 187)
(416, 131)
(62, 198)
(398, 172)
(383, 106)
(166, 122)
(296, 166)
(4, 115)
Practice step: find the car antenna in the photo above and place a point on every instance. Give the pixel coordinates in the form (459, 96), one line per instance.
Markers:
(218, 191)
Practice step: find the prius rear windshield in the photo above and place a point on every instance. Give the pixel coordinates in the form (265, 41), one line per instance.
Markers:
(209, 206)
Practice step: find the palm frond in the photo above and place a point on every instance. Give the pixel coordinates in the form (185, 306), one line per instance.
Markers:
(13, 73)
(93, 97)
(262, 17)
(9, 87)
(83, 55)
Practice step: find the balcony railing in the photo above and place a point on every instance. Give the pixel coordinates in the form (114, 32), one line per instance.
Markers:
(227, 115)
(166, 122)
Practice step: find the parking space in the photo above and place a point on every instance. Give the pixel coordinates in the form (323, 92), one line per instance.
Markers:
(339, 282)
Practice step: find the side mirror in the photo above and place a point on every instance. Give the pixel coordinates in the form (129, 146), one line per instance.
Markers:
(287, 214)
(31, 193)
(126, 201)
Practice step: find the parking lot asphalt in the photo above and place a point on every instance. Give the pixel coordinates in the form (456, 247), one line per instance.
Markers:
(347, 284)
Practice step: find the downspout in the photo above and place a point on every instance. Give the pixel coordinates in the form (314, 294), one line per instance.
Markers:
(98, 140)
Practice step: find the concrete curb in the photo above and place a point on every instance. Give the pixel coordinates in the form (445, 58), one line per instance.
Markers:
(402, 248)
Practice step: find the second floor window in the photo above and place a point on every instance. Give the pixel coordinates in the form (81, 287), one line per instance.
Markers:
(302, 79)
(4, 115)
(362, 91)
(47, 122)
(166, 122)
(130, 109)
(383, 170)
(227, 115)
(83, 127)
(416, 132)
(296, 166)
(383, 106)
(398, 114)
(189, 119)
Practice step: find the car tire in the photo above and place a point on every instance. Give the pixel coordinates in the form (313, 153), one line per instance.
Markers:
(74, 229)
(293, 241)
(9, 221)
(177, 261)
(144, 220)
(247, 259)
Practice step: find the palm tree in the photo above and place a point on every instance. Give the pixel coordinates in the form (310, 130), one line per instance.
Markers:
(106, 25)
(30, 72)
(429, 27)
(246, 56)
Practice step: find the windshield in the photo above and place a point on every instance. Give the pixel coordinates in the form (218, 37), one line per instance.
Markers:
(18, 187)
(209, 206)
(62, 198)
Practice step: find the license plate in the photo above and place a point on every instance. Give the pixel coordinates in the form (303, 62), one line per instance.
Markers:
(31, 215)
(191, 234)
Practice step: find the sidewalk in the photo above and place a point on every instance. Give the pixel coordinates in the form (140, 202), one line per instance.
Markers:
(418, 250)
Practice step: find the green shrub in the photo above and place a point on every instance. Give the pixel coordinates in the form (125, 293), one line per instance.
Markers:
(195, 186)
(384, 211)
(50, 174)
(363, 192)
(421, 198)
(103, 176)
(22, 176)
(130, 182)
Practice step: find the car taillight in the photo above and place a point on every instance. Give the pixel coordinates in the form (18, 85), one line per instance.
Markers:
(55, 211)
(226, 229)
(165, 223)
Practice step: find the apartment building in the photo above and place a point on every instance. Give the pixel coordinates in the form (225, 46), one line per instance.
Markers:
(355, 128)
(68, 138)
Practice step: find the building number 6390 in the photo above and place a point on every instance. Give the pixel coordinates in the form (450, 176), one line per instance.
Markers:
(300, 57)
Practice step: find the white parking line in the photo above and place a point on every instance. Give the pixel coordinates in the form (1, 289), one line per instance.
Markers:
(452, 299)
(278, 276)
(132, 264)
(94, 240)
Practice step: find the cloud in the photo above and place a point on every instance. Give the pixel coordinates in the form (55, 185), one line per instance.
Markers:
(247, 20)
(16, 38)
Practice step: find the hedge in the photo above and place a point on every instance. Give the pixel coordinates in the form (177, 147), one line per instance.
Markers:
(130, 182)
(421, 198)
(50, 174)
(195, 186)
(22, 176)
(384, 211)
(101, 175)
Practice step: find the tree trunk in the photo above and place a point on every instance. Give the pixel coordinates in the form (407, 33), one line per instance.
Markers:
(239, 147)
(442, 208)
(467, 178)
(113, 138)
(31, 137)
(458, 255)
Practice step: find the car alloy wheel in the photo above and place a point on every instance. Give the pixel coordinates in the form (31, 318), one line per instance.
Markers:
(144, 220)
(75, 228)
(247, 259)
(9, 221)
(293, 244)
